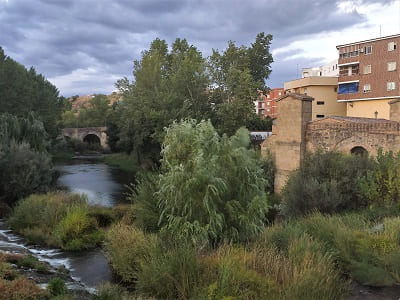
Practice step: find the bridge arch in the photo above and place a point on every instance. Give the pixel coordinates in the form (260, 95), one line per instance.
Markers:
(90, 134)
(359, 150)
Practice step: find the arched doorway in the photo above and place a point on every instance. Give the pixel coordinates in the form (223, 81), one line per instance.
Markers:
(92, 139)
(358, 150)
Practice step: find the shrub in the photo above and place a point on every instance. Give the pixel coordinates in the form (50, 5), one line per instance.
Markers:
(23, 171)
(77, 230)
(57, 220)
(366, 251)
(56, 286)
(20, 288)
(110, 291)
(37, 216)
(327, 182)
(128, 248)
(212, 188)
(145, 202)
(171, 273)
(382, 185)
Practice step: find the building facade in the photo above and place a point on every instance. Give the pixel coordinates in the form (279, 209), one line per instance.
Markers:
(266, 104)
(324, 90)
(369, 76)
(330, 69)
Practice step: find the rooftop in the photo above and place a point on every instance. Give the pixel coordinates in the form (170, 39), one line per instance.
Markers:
(369, 41)
(359, 120)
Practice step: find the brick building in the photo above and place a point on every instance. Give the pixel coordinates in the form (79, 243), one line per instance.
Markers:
(369, 76)
(266, 104)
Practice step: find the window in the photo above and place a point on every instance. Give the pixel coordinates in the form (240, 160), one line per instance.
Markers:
(268, 103)
(268, 110)
(391, 46)
(335, 89)
(279, 94)
(391, 86)
(367, 88)
(348, 88)
(320, 102)
(391, 66)
(367, 69)
(320, 116)
(368, 50)
(268, 96)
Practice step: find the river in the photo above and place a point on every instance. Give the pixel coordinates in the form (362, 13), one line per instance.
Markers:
(102, 185)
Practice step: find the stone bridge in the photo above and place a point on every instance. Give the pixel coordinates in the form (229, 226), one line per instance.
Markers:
(90, 135)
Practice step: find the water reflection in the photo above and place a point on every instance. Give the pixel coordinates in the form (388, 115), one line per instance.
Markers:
(103, 185)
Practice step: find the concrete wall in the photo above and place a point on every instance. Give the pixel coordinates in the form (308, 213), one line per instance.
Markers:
(367, 108)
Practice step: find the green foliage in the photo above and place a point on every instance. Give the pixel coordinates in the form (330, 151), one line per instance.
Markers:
(123, 161)
(128, 248)
(145, 201)
(167, 87)
(367, 251)
(108, 291)
(24, 91)
(77, 230)
(211, 188)
(56, 219)
(23, 171)
(327, 182)
(382, 184)
(171, 273)
(57, 287)
(25, 164)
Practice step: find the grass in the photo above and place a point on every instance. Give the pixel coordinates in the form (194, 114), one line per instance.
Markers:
(122, 161)
(62, 155)
(56, 220)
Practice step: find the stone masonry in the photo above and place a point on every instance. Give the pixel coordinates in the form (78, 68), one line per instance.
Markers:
(293, 134)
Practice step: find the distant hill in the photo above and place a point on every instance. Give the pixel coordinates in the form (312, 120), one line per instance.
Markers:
(77, 102)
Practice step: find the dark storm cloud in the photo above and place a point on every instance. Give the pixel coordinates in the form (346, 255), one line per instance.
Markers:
(59, 37)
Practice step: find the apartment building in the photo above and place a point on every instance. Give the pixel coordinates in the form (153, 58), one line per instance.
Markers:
(329, 69)
(265, 105)
(369, 76)
(324, 91)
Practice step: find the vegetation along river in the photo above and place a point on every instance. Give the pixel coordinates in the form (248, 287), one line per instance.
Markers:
(103, 185)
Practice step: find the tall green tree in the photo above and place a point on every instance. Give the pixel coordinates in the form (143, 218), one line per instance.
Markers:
(167, 86)
(24, 91)
(237, 73)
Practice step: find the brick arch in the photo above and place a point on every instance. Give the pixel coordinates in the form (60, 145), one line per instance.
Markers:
(81, 133)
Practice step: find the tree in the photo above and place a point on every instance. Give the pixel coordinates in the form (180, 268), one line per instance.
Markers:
(168, 86)
(24, 91)
(211, 188)
(237, 74)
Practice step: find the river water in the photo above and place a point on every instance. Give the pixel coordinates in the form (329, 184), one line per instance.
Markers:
(102, 185)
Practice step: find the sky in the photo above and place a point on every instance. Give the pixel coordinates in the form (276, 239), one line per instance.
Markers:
(85, 46)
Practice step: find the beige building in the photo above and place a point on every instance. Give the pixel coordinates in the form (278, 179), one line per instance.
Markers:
(324, 91)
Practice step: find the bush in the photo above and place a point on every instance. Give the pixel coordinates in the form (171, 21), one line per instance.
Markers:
(382, 185)
(366, 251)
(20, 288)
(128, 248)
(77, 230)
(23, 171)
(327, 182)
(57, 220)
(145, 202)
(57, 287)
(110, 291)
(171, 273)
(212, 188)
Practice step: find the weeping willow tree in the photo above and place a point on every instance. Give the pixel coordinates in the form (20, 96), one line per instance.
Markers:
(211, 188)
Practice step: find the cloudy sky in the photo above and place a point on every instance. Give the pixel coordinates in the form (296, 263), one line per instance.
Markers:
(85, 46)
